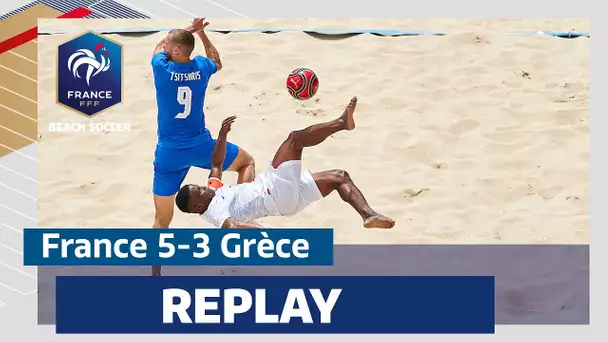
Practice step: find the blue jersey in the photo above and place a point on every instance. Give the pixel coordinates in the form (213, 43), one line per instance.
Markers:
(180, 98)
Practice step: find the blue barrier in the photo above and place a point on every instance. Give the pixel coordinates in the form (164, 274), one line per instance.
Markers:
(556, 34)
(329, 32)
(257, 30)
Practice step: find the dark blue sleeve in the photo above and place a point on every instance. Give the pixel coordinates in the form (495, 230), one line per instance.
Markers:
(160, 60)
(206, 65)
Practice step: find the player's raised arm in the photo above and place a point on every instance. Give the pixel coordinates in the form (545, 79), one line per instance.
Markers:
(160, 46)
(219, 151)
(210, 49)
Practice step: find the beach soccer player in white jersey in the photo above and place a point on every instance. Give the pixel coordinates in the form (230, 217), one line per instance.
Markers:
(282, 190)
(183, 140)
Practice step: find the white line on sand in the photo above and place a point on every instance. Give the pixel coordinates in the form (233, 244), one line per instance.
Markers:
(16, 112)
(11, 249)
(18, 55)
(19, 152)
(17, 133)
(18, 173)
(18, 213)
(18, 73)
(18, 270)
(14, 289)
(25, 97)
(19, 192)
(11, 228)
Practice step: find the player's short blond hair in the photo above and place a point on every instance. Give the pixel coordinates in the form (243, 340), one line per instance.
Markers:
(182, 38)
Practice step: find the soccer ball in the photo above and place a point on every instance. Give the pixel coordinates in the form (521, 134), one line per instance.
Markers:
(302, 83)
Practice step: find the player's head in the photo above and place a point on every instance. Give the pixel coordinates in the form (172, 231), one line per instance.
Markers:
(194, 199)
(179, 44)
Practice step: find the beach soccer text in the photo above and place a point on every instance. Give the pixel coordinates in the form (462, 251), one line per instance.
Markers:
(76, 127)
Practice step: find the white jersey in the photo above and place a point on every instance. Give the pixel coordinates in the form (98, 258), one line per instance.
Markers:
(276, 192)
(242, 202)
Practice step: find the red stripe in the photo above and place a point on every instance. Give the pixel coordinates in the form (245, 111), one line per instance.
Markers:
(80, 12)
(32, 33)
(19, 39)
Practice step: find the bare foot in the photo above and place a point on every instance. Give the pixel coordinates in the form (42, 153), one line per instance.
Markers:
(378, 221)
(348, 115)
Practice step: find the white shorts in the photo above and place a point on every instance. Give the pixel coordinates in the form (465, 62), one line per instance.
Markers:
(290, 188)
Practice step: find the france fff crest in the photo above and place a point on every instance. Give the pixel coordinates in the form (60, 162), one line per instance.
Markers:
(89, 74)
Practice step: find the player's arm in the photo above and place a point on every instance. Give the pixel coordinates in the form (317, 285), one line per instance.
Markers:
(219, 151)
(160, 60)
(230, 223)
(197, 24)
(160, 46)
(210, 49)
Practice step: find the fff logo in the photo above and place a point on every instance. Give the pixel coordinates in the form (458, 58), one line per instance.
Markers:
(89, 74)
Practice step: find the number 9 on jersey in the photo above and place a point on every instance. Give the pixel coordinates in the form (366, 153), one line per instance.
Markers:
(184, 97)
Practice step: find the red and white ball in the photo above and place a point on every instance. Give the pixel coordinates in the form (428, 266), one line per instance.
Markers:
(302, 83)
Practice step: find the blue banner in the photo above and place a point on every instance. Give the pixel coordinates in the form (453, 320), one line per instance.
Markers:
(178, 247)
(360, 305)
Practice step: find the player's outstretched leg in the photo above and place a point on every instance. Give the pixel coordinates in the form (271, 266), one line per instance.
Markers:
(328, 181)
(292, 148)
(163, 206)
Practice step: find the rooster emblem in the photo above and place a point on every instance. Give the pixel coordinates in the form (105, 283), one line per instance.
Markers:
(87, 57)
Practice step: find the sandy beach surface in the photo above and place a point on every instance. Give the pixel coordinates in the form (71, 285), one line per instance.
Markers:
(478, 136)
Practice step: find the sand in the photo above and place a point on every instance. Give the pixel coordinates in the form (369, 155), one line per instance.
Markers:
(474, 137)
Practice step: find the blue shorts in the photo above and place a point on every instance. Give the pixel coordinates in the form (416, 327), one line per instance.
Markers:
(172, 165)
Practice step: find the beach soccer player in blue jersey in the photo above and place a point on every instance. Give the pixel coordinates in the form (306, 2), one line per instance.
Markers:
(183, 140)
